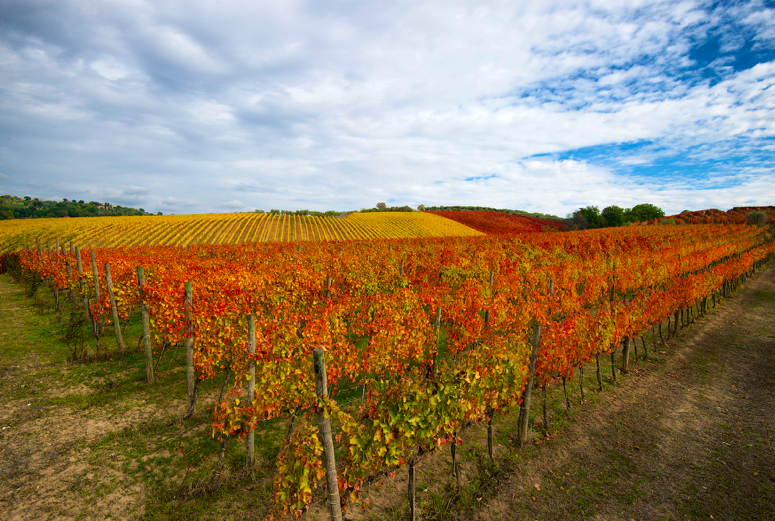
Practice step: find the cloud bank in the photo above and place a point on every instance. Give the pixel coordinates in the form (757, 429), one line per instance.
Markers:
(219, 105)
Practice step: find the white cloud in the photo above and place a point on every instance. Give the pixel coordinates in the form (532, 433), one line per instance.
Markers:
(242, 105)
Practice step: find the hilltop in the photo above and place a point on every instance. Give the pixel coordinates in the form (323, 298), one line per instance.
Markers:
(13, 207)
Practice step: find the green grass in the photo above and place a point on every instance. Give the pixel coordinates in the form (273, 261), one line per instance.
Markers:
(765, 295)
(171, 460)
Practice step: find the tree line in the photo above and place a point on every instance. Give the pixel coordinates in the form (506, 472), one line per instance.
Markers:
(13, 207)
(612, 216)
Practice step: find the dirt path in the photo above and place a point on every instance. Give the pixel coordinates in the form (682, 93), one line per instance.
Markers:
(692, 436)
(45, 465)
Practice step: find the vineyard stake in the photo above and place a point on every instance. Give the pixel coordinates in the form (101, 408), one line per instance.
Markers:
(324, 426)
(191, 381)
(73, 300)
(114, 309)
(84, 298)
(250, 442)
(411, 491)
(613, 364)
(599, 377)
(626, 354)
(453, 453)
(146, 327)
(524, 410)
(97, 326)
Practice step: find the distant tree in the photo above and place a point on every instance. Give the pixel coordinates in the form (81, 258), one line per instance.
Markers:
(643, 212)
(588, 217)
(381, 206)
(757, 218)
(613, 215)
(576, 221)
(421, 208)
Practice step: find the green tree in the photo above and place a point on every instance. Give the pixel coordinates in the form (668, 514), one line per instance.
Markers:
(613, 215)
(757, 218)
(591, 214)
(642, 213)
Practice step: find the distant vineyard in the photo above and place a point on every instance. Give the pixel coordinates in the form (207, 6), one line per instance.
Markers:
(499, 223)
(737, 215)
(182, 230)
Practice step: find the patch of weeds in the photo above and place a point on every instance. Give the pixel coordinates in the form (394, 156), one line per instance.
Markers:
(73, 334)
(765, 295)
(31, 281)
(453, 502)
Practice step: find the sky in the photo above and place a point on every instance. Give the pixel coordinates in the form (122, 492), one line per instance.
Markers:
(203, 106)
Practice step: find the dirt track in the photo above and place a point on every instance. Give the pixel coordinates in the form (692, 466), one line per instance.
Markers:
(692, 436)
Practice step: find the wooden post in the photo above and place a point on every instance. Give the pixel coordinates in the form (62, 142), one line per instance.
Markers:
(114, 309)
(73, 300)
(626, 354)
(675, 329)
(97, 326)
(190, 372)
(599, 376)
(326, 439)
(436, 332)
(146, 327)
(84, 298)
(490, 414)
(250, 442)
(453, 453)
(613, 365)
(411, 491)
(565, 390)
(524, 410)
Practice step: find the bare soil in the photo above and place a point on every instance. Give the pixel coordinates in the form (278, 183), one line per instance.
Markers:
(687, 434)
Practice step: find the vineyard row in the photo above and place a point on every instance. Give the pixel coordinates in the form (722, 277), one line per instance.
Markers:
(438, 333)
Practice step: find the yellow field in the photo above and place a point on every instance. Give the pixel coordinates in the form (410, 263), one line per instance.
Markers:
(182, 230)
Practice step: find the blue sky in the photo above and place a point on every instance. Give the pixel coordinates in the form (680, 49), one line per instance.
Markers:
(216, 105)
